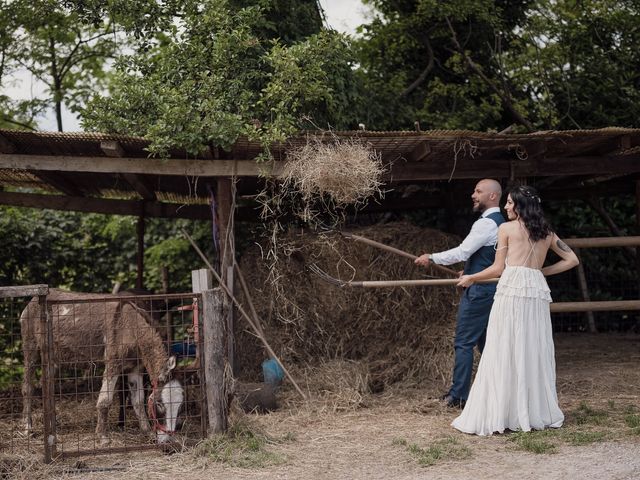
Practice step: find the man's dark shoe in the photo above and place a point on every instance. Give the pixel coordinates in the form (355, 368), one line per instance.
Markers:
(452, 402)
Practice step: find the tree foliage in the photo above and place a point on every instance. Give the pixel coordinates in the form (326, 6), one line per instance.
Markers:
(483, 64)
(54, 46)
(212, 77)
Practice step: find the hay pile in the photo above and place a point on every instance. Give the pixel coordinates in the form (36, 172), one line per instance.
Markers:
(400, 334)
(347, 170)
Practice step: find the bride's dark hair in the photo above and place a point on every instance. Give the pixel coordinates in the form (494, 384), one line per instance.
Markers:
(527, 205)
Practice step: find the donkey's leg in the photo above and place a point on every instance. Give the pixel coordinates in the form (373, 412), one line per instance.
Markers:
(136, 386)
(109, 381)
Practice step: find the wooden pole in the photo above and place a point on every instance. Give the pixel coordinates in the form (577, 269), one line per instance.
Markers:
(584, 290)
(224, 194)
(140, 253)
(48, 402)
(600, 242)
(436, 282)
(213, 319)
(402, 253)
(638, 227)
(608, 306)
(243, 313)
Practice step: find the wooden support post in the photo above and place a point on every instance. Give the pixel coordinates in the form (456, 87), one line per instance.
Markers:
(584, 290)
(227, 255)
(48, 404)
(213, 316)
(638, 225)
(140, 252)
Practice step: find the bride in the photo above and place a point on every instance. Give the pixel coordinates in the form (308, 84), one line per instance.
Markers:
(515, 386)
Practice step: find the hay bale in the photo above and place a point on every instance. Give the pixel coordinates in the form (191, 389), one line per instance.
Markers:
(345, 170)
(401, 334)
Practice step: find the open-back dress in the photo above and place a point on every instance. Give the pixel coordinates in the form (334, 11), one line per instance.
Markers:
(515, 385)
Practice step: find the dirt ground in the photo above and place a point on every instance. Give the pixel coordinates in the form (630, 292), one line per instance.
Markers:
(388, 434)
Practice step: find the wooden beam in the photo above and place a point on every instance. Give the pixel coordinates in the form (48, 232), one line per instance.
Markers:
(141, 185)
(6, 146)
(106, 206)
(420, 152)
(470, 168)
(60, 183)
(24, 291)
(149, 166)
(114, 149)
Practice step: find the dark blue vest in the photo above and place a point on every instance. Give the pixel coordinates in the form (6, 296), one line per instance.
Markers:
(485, 256)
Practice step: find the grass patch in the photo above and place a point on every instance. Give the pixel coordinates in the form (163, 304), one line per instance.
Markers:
(447, 448)
(535, 441)
(585, 415)
(583, 438)
(241, 446)
(633, 422)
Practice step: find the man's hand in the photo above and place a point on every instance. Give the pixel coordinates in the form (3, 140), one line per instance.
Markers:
(465, 281)
(423, 260)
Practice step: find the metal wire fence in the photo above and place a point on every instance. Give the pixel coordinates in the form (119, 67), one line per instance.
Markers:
(138, 355)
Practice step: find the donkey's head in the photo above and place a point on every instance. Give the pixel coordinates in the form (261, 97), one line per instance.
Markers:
(165, 402)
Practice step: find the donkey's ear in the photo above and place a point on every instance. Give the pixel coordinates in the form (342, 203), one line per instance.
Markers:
(171, 363)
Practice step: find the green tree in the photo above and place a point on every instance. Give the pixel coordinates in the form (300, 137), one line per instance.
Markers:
(580, 62)
(213, 76)
(437, 62)
(52, 43)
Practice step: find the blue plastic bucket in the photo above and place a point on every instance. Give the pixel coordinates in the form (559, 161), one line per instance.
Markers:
(272, 372)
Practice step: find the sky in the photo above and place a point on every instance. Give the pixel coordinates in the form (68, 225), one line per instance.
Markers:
(342, 15)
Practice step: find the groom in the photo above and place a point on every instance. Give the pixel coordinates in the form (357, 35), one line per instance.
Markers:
(477, 250)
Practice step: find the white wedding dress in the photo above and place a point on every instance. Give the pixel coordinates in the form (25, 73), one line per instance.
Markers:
(515, 386)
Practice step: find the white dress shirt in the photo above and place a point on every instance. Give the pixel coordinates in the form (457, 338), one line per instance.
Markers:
(484, 232)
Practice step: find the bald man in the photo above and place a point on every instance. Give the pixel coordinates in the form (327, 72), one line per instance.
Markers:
(477, 250)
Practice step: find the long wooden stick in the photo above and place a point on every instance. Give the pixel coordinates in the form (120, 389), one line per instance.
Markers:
(256, 329)
(402, 253)
(437, 282)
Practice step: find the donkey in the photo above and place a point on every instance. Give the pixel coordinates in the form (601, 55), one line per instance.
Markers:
(116, 333)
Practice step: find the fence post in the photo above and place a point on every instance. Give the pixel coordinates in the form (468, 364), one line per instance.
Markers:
(48, 403)
(214, 320)
(584, 290)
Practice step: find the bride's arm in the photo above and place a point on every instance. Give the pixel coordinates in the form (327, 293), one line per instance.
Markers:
(568, 259)
(497, 268)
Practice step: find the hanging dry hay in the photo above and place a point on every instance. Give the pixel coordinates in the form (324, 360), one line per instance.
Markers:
(400, 334)
(347, 171)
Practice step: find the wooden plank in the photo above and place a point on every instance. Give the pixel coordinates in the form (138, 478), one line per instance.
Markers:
(112, 148)
(608, 306)
(106, 206)
(24, 291)
(149, 166)
(201, 280)
(213, 316)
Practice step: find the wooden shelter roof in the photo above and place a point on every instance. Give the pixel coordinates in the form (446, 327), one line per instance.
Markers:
(114, 174)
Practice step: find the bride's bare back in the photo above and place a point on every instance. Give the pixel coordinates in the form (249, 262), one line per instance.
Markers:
(521, 251)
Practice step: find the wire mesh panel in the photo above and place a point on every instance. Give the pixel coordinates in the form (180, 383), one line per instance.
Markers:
(609, 274)
(124, 372)
(11, 375)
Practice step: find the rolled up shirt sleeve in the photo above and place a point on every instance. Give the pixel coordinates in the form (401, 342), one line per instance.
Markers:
(483, 232)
